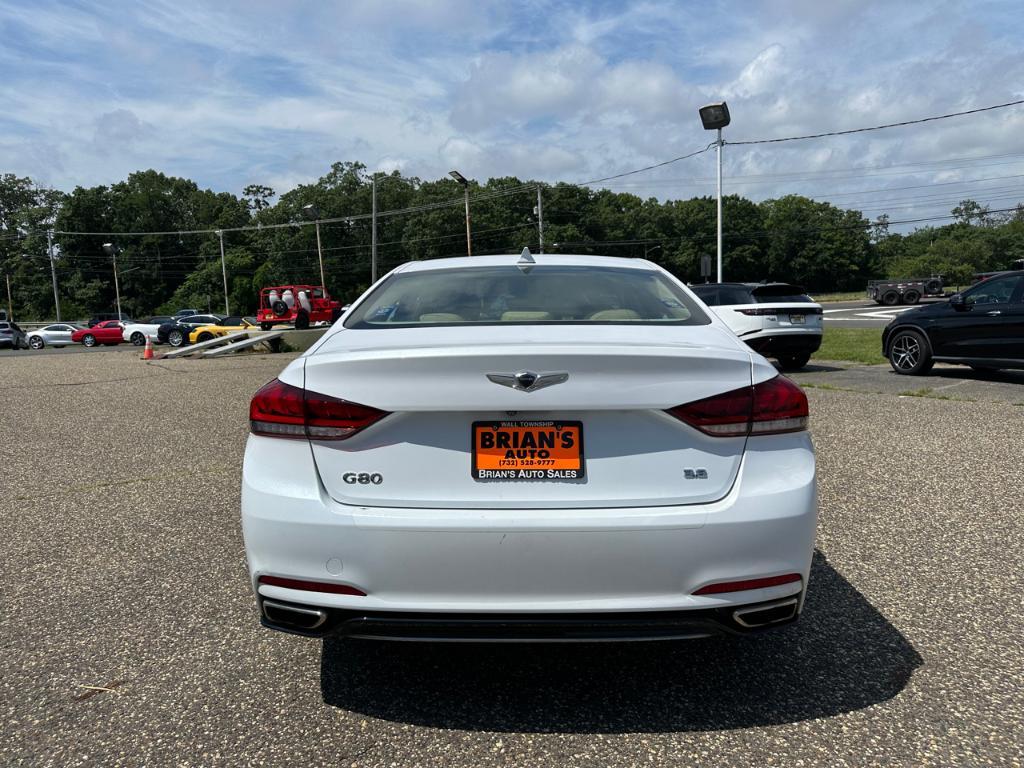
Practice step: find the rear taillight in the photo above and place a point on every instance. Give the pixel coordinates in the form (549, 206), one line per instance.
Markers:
(769, 408)
(743, 585)
(281, 410)
(758, 311)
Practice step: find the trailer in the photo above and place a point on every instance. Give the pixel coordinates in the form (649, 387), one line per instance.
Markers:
(908, 291)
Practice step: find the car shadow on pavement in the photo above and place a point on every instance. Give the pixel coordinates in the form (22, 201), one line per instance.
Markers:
(842, 655)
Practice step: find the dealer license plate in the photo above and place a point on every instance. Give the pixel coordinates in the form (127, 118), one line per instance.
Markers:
(796, 319)
(528, 450)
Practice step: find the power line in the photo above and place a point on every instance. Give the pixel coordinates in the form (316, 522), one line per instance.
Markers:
(881, 127)
(646, 168)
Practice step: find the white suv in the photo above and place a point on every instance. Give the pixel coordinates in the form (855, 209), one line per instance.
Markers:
(776, 319)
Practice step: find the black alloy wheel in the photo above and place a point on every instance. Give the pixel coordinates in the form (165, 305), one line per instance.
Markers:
(909, 354)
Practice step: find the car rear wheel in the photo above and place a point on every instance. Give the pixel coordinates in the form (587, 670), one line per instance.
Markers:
(176, 338)
(891, 299)
(36, 342)
(138, 339)
(89, 340)
(793, 362)
(909, 354)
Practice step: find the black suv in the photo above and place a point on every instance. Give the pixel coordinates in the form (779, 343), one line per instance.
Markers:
(982, 327)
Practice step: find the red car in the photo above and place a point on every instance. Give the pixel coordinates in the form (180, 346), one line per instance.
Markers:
(108, 333)
(297, 304)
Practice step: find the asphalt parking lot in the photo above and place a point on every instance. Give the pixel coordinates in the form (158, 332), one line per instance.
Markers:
(129, 635)
(864, 313)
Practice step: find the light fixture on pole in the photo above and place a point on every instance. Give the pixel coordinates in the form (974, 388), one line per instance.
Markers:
(313, 214)
(715, 117)
(465, 185)
(112, 250)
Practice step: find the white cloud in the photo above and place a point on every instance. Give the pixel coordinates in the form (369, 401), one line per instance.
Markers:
(257, 91)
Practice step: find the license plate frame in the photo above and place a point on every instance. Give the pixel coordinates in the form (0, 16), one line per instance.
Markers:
(485, 466)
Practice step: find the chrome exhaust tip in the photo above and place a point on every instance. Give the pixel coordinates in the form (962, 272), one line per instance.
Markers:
(766, 613)
(293, 616)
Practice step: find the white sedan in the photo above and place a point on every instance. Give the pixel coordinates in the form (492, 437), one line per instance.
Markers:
(137, 333)
(529, 448)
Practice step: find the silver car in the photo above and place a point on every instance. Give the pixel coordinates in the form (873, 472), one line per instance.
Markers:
(56, 335)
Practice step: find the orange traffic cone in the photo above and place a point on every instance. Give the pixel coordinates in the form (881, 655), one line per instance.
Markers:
(147, 354)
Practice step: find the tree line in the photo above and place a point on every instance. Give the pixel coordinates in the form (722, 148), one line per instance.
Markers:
(791, 238)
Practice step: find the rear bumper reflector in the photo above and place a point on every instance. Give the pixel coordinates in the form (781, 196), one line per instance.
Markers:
(741, 586)
(311, 586)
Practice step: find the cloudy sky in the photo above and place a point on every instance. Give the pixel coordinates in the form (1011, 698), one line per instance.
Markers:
(232, 93)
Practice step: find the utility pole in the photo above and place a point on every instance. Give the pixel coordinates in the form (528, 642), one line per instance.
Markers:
(373, 230)
(320, 254)
(540, 220)
(53, 271)
(10, 307)
(112, 249)
(224, 269)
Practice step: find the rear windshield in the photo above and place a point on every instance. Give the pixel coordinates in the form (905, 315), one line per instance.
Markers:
(544, 294)
(770, 294)
(717, 295)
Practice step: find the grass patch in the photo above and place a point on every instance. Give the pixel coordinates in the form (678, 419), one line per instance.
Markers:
(825, 298)
(855, 345)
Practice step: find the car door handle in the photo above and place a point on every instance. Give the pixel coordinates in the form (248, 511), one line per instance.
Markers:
(994, 313)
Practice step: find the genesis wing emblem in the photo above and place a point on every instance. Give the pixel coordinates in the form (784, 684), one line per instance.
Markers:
(528, 381)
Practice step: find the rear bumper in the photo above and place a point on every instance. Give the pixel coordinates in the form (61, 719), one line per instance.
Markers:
(626, 573)
(301, 620)
(783, 343)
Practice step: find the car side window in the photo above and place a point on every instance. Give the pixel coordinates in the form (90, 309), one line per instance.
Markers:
(996, 290)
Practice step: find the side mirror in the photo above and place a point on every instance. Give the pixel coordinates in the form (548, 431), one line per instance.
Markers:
(958, 302)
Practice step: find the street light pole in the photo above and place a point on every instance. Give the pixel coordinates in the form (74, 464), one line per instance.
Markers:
(715, 117)
(320, 254)
(465, 185)
(373, 229)
(719, 205)
(113, 251)
(224, 272)
(53, 271)
(540, 220)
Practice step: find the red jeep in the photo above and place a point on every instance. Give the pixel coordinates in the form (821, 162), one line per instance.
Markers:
(297, 304)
